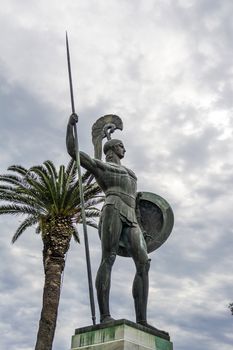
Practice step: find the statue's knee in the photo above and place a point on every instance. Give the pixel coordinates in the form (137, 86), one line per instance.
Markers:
(143, 267)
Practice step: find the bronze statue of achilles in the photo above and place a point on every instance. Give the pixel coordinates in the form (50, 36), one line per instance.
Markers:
(118, 222)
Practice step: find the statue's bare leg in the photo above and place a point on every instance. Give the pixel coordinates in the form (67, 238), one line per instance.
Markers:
(137, 248)
(111, 227)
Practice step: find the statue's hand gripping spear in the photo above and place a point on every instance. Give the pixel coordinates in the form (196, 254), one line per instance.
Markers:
(74, 120)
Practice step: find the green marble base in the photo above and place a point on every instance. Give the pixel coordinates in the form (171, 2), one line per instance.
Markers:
(120, 335)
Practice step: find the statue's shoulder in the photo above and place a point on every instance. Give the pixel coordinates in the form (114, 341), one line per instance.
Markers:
(114, 168)
(100, 164)
(108, 166)
(111, 167)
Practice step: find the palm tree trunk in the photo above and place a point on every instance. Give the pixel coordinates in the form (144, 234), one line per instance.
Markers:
(51, 296)
(56, 238)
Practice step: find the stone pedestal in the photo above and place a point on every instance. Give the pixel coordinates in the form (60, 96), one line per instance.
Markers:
(120, 335)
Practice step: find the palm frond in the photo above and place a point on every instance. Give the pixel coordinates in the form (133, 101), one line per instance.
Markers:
(40, 174)
(39, 197)
(25, 186)
(42, 192)
(5, 188)
(92, 213)
(65, 181)
(91, 191)
(72, 198)
(93, 208)
(38, 230)
(33, 188)
(17, 209)
(92, 223)
(18, 169)
(71, 168)
(11, 179)
(51, 168)
(24, 225)
(47, 181)
(53, 177)
(76, 234)
(95, 201)
(20, 199)
(86, 176)
(61, 180)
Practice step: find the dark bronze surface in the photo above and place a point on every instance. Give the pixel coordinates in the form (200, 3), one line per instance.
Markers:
(131, 224)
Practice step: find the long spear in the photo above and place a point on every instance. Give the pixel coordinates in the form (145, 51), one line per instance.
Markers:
(77, 153)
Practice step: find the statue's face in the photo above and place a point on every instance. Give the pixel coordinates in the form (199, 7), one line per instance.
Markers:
(119, 150)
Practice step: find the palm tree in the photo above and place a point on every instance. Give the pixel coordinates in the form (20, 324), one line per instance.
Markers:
(50, 200)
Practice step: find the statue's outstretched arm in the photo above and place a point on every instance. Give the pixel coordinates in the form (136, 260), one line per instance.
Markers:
(86, 161)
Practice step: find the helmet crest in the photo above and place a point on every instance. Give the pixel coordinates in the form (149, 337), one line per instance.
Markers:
(102, 128)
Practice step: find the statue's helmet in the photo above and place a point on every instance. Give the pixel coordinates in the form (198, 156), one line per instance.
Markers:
(104, 127)
(109, 145)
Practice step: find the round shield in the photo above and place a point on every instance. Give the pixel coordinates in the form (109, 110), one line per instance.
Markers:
(155, 218)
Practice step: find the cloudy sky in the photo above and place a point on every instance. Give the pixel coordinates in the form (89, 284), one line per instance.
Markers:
(164, 66)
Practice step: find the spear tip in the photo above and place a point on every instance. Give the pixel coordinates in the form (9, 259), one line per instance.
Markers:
(67, 44)
(69, 72)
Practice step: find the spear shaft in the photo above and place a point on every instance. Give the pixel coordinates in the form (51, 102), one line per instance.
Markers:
(78, 164)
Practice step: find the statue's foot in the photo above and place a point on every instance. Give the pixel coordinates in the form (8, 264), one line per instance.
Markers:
(145, 324)
(105, 319)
